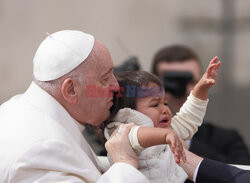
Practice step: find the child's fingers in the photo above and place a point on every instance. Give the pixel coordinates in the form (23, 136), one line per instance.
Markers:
(212, 70)
(177, 149)
(174, 149)
(177, 159)
(172, 143)
(184, 158)
(211, 67)
(214, 67)
(210, 81)
(173, 146)
(179, 152)
(214, 60)
(218, 65)
(176, 155)
(182, 153)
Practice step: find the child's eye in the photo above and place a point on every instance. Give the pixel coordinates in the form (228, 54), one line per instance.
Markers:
(155, 105)
(166, 103)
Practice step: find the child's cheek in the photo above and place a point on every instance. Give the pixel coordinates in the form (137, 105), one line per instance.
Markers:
(156, 123)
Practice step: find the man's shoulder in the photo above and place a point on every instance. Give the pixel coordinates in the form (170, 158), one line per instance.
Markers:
(27, 122)
(23, 125)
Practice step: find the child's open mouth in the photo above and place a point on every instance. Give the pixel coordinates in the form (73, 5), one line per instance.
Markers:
(165, 122)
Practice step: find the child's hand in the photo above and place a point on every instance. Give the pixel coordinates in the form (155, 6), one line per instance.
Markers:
(176, 146)
(208, 80)
(210, 76)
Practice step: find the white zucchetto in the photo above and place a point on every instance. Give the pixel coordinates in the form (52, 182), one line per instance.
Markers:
(60, 53)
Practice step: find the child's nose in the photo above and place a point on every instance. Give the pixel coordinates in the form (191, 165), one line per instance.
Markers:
(164, 109)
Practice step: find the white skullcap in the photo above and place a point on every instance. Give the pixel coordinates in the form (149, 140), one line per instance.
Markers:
(60, 53)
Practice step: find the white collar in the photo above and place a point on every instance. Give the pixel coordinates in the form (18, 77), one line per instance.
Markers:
(39, 98)
(47, 104)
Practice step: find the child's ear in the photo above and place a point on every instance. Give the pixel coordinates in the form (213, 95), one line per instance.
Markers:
(68, 90)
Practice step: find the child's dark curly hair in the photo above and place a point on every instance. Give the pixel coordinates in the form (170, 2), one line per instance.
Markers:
(130, 78)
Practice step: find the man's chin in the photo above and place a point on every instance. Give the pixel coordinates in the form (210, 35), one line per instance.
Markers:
(104, 117)
(100, 119)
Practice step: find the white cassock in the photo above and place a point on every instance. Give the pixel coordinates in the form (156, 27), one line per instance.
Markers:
(40, 142)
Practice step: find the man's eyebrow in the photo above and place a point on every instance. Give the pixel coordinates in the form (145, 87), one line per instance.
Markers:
(110, 70)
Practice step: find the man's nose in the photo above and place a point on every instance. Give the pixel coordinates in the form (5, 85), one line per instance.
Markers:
(114, 84)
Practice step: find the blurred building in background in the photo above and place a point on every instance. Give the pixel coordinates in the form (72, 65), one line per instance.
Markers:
(140, 28)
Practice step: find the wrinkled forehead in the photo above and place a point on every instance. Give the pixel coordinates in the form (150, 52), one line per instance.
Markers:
(191, 66)
(99, 61)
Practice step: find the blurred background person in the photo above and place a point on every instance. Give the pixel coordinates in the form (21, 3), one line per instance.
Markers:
(180, 69)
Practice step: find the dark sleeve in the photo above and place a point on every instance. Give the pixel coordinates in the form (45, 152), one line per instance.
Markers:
(225, 145)
(214, 171)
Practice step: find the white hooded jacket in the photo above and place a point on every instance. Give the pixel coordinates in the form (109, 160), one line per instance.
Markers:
(157, 162)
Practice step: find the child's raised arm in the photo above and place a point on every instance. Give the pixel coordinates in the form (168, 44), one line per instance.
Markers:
(191, 114)
(208, 80)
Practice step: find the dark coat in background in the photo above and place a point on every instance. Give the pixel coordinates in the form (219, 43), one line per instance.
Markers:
(211, 171)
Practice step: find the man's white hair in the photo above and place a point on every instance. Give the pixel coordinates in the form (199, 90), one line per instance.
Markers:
(52, 87)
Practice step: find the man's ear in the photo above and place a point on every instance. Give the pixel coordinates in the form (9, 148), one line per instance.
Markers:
(68, 90)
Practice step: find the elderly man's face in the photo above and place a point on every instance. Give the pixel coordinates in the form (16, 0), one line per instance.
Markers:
(96, 101)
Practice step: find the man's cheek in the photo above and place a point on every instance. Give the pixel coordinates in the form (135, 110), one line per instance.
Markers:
(91, 91)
